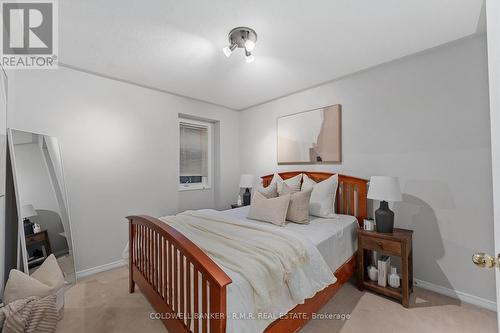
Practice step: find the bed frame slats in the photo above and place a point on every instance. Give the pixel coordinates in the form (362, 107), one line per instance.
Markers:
(177, 277)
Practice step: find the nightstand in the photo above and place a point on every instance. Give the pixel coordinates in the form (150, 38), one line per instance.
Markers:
(40, 238)
(233, 206)
(398, 243)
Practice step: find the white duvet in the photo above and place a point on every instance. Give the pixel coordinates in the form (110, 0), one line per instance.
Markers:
(248, 309)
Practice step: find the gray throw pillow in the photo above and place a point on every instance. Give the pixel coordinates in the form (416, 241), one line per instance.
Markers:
(298, 209)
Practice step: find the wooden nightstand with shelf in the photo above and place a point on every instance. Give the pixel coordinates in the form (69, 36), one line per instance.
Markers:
(397, 243)
(38, 239)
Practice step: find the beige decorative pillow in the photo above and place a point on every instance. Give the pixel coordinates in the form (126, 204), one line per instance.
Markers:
(285, 189)
(269, 210)
(50, 273)
(269, 192)
(20, 285)
(298, 210)
(46, 280)
(293, 183)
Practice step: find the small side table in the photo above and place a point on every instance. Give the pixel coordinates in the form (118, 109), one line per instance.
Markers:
(398, 243)
(41, 238)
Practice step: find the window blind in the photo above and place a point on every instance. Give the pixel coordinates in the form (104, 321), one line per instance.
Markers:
(193, 150)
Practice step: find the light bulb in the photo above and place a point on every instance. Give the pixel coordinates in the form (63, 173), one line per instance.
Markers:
(249, 58)
(249, 45)
(227, 51)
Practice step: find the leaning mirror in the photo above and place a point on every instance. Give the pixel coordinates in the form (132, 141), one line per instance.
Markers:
(42, 202)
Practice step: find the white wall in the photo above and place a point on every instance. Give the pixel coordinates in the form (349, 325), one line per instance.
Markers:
(425, 119)
(119, 146)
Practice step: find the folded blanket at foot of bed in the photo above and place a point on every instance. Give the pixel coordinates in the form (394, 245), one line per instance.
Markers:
(30, 315)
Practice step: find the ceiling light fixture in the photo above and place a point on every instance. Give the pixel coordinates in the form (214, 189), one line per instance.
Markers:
(249, 57)
(243, 38)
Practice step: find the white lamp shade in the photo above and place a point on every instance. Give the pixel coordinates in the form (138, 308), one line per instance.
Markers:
(28, 211)
(384, 188)
(247, 181)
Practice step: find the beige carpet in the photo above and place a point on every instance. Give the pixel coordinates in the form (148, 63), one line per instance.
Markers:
(101, 303)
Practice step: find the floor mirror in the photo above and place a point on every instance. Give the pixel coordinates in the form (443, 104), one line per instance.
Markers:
(42, 203)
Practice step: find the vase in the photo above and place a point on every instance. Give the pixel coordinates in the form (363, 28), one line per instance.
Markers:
(372, 273)
(394, 280)
(384, 218)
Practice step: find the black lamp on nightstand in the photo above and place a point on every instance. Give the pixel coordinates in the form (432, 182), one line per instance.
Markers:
(247, 182)
(384, 189)
(28, 211)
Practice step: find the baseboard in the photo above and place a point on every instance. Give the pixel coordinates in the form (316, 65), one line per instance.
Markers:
(461, 296)
(101, 268)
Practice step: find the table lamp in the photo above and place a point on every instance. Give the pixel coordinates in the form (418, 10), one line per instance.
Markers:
(384, 189)
(28, 211)
(247, 182)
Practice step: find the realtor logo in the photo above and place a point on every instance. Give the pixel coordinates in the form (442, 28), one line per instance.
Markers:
(29, 34)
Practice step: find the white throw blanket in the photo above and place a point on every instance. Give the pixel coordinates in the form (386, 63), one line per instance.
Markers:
(270, 258)
(265, 255)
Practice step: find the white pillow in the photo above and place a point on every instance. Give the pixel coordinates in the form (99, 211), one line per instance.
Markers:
(270, 191)
(293, 183)
(269, 210)
(323, 194)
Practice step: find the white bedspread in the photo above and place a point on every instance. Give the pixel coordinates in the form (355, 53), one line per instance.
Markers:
(336, 238)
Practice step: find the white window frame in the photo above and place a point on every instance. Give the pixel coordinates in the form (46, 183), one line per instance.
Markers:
(206, 184)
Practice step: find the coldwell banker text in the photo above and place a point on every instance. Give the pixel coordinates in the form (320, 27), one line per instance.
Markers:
(29, 34)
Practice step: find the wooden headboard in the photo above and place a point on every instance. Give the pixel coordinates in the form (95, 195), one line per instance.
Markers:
(351, 192)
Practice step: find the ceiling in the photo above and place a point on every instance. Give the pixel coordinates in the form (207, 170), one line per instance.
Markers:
(175, 46)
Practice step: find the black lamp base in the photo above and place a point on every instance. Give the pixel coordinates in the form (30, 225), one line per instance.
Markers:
(384, 217)
(246, 197)
(28, 227)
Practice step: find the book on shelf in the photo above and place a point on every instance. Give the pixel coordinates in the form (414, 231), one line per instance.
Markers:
(384, 265)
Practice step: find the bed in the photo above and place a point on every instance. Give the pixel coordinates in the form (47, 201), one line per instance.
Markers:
(192, 293)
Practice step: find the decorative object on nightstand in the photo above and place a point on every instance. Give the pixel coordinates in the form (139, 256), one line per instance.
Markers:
(239, 202)
(372, 273)
(384, 264)
(398, 243)
(247, 182)
(384, 189)
(28, 211)
(37, 228)
(394, 278)
(369, 224)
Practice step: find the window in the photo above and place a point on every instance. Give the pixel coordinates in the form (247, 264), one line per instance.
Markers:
(195, 141)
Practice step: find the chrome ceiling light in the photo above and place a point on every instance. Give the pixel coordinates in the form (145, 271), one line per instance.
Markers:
(244, 38)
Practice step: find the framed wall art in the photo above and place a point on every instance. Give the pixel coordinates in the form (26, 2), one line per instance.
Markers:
(311, 137)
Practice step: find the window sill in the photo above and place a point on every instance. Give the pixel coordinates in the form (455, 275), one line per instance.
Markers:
(183, 188)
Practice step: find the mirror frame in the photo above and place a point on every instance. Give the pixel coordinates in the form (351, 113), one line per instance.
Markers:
(22, 254)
